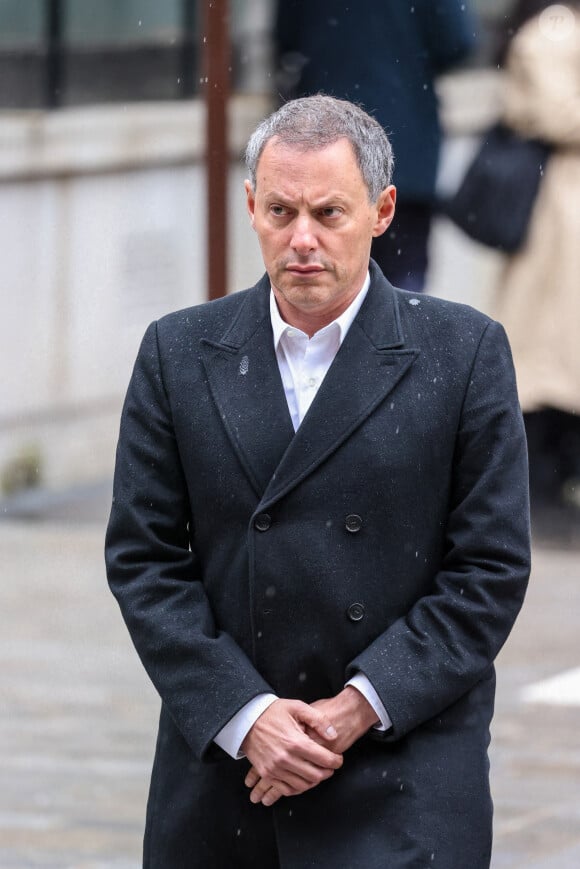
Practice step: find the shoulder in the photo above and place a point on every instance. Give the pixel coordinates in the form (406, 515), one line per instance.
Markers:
(180, 334)
(449, 333)
(429, 324)
(209, 320)
(424, 314)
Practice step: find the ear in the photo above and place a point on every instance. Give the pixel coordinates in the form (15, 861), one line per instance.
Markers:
(385, 210)
(250, 202)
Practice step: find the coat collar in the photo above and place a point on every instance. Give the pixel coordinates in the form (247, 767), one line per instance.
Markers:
(245, 383)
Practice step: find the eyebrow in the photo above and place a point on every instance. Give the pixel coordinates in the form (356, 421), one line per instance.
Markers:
(326, 202)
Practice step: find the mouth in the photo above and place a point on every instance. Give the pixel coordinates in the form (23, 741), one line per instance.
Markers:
(304, 271)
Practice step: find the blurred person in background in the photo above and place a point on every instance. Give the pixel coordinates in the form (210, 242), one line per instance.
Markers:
(538, 300)
(385, 57)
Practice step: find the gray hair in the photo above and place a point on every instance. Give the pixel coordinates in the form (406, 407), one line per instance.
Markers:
(310, 123)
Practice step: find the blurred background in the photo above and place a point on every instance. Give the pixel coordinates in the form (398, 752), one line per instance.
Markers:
(104, 210)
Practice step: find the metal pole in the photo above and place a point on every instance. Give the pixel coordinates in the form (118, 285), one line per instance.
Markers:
(55, 58)
(216, 83)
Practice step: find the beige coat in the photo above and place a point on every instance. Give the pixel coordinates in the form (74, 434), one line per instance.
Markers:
(539, 297)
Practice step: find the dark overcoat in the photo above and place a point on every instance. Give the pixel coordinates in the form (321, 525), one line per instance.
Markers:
(389, 535)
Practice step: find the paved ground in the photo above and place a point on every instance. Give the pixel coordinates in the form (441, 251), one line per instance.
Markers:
(78, 717)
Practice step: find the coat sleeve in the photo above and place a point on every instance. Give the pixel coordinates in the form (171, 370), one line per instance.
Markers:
(201, 674)
(447, 642)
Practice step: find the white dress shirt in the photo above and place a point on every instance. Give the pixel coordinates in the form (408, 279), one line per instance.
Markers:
(303, 364)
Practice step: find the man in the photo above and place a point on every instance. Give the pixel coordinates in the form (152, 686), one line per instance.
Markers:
(386, 57)
(319, 536)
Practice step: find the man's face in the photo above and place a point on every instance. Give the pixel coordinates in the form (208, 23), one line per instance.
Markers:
(315, 224)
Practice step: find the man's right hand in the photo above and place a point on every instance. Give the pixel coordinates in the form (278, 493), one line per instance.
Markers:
(285, 761)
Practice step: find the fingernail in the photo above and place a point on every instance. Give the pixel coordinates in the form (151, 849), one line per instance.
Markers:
(330, 731)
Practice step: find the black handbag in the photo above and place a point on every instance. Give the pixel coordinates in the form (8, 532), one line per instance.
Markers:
(494, 201)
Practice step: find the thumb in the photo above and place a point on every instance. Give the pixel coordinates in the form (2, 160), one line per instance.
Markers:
(319, 722)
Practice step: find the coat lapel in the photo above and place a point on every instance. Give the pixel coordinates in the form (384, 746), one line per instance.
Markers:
(245, 383)
(246, 386)
(369, 364)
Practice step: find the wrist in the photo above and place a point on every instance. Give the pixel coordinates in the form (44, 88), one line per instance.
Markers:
(358, 709)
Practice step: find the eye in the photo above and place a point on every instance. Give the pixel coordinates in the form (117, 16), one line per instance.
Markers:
(278, 210)
(330, 211)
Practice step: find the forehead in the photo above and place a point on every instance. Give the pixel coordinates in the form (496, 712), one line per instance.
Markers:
(284, 166)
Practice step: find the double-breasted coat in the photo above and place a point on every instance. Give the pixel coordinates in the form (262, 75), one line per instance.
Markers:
(388, 535)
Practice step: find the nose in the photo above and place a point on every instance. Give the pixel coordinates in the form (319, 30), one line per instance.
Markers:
(303, 237)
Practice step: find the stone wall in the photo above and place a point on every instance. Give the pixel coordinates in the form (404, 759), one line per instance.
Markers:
(103, 216)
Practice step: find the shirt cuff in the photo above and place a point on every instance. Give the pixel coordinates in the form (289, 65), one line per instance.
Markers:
(231, 736)
(362, 684)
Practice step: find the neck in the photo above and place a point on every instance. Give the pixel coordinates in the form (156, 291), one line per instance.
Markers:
(308, 323)
(311, 321)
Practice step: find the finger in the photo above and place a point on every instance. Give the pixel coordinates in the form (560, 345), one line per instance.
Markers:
(318, 721)
(307, 775)
(268, 793)
(270, 797)
(279, 789)
(316, 774)
(252, 778)
(317, 755)
(260, 790)
(290, 786)
(312, 734)
(308, 761)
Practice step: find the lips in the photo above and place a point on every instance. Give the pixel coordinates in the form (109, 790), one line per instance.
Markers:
(306, 271)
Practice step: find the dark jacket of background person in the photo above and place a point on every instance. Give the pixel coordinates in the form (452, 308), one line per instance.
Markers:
(388, 535)
(538, 299)
(385, 56)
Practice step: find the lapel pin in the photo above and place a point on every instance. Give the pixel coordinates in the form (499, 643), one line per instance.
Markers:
(244, 365)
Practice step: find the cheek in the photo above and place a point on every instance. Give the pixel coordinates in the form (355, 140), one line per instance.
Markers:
(355, 246)
(270, 246)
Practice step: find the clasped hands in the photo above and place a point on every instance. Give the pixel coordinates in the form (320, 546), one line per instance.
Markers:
(293, 746)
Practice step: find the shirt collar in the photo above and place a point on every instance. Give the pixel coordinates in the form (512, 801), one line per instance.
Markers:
(344, 321)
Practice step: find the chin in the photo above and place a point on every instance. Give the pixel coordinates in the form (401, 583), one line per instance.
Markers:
(305, 296)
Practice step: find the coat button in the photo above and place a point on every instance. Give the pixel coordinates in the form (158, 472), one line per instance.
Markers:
(355, 612)
(353, 523)
(262, 521)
